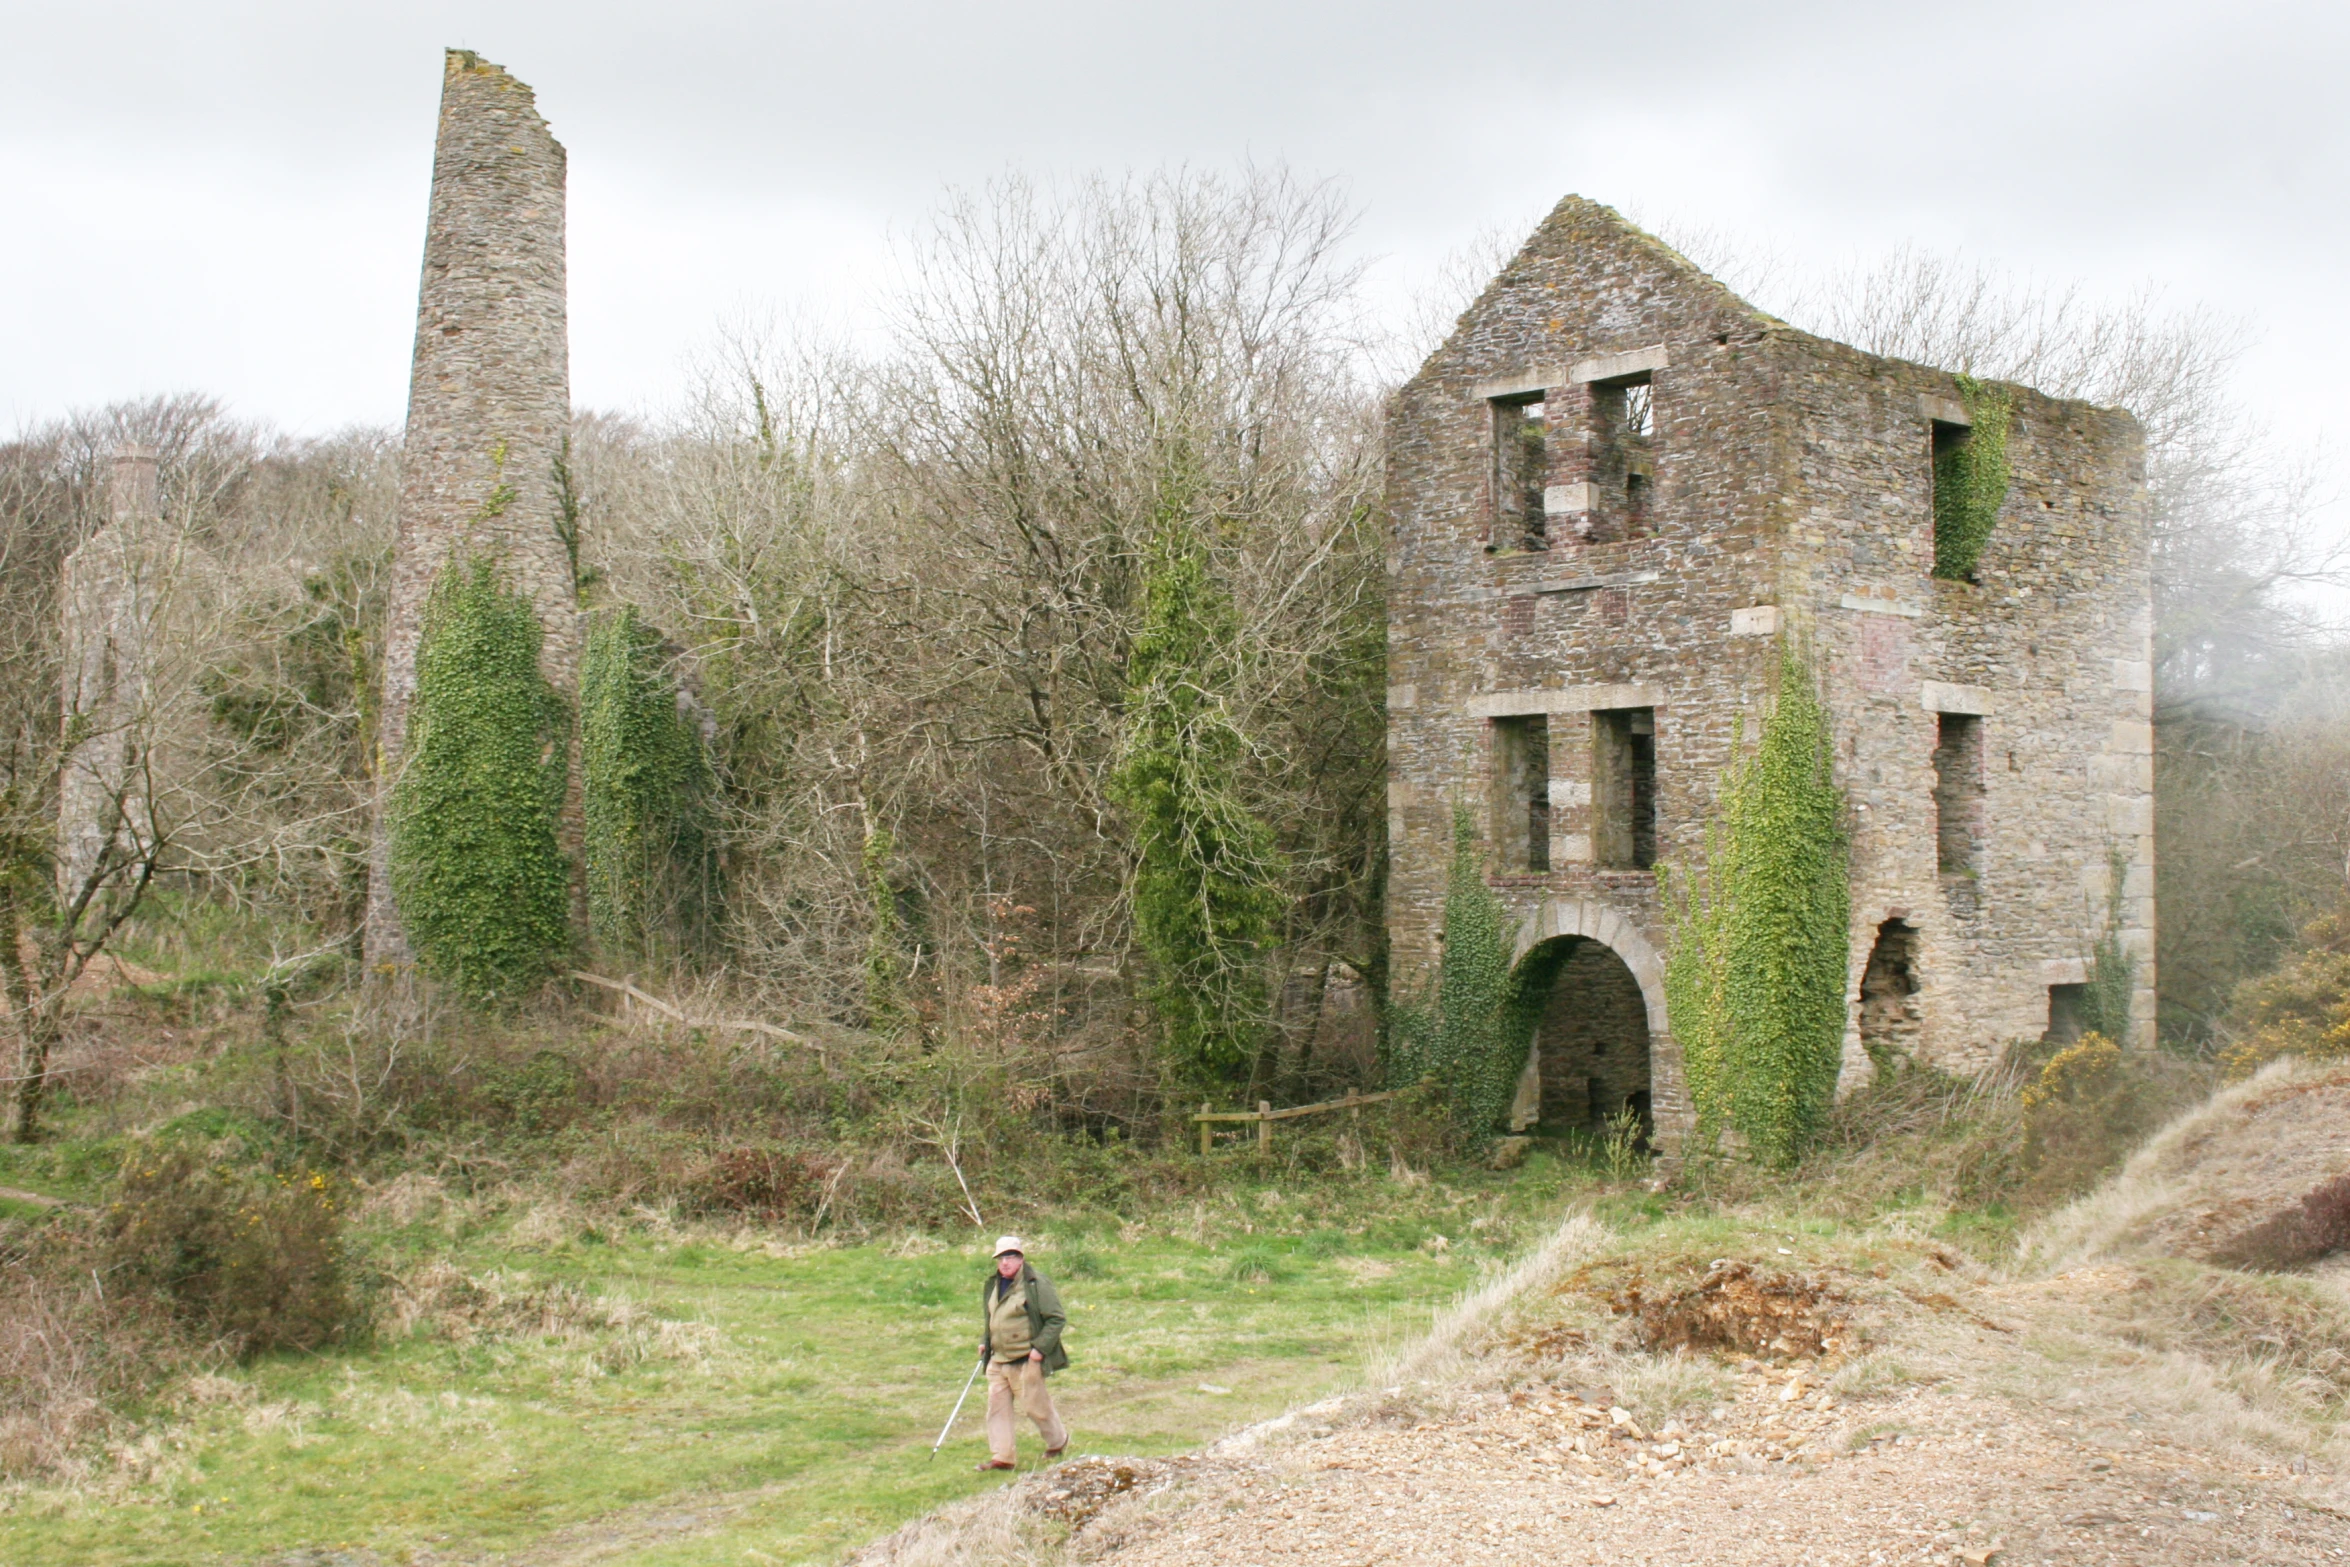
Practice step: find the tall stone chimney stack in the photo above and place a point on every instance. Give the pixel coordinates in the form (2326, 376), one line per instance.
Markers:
(107, 608)
(130, 490)
(489, 407)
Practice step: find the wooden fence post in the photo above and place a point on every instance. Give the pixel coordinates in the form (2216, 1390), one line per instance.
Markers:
(1264, 1126)
(1207, 1130)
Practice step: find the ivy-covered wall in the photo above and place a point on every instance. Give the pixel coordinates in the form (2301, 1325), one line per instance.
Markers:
(1970, 482)
(1755, 981)
(646, 781)
(481, 883)
(1470, 1035)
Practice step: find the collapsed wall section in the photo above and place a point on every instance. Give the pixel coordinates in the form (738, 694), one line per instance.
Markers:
(489, 409)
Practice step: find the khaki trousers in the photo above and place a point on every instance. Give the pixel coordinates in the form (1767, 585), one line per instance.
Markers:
(1020, 1382)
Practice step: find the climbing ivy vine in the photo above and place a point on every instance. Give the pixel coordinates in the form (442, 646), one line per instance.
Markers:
(1207, 873)
(477, 871)
(646, 793)
(1970, 482)
(885, 1000)
(1755, 983)
(1471, 1035)
(2105, 1000)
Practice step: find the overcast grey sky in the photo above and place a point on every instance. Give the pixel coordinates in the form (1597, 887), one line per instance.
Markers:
(230, 197)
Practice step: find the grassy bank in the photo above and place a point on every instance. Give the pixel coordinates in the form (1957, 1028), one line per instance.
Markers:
(543, 1373)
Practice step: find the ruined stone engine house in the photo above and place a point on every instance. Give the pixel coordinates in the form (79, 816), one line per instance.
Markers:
(1617, 492)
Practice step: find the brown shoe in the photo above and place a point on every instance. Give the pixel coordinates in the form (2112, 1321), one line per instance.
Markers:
(995, 1463)
(1052, 1453)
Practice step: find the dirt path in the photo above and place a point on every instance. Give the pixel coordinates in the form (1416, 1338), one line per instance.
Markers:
(1550, 1479)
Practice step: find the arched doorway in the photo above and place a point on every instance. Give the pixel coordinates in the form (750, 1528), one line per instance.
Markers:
(1591, 1036)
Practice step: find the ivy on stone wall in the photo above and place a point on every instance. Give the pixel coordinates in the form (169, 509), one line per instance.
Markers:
(646, 795)
(1471, 1035)
(2105, 1000)
(477, 870)
(1970, 482)
(1208, 872)
(1755, 983)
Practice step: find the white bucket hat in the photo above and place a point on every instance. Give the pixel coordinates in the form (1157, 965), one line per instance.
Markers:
(1005, 1243)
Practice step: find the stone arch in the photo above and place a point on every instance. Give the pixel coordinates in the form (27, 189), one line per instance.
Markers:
(1611, 965)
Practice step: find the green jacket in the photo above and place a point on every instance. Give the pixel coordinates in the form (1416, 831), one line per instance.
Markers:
(1044, 1317)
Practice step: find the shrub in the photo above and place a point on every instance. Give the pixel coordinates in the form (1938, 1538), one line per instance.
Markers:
(69, 1349)
(2303, 1008)
(255, 1260)
(2317, 1226)
(477, 868)
(765, 1183)
(2091, 1103)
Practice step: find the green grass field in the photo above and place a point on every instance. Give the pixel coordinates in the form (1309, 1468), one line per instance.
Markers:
(736, 1399)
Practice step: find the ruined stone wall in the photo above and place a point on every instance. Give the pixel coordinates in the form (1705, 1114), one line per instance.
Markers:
(489, 407)
(1604, 615)
(1781, 495)
(2047, 651)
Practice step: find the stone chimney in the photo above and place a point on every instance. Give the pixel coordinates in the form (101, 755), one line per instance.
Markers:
(106, 613)
(130, 489)
(489, 406)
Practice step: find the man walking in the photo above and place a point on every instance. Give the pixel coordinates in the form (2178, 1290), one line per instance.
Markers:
(1021, 1342)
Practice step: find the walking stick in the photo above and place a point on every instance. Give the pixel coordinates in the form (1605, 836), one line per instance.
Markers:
(958, 1409)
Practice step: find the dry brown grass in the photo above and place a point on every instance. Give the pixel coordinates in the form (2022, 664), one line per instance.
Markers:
(69, 1355)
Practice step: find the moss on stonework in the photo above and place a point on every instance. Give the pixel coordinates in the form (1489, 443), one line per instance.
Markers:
(1970, 482)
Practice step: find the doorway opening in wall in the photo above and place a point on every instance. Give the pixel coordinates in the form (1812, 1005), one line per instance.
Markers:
(1623, 788)
(1591, 1042)
(1521, 793)
(1521, 468)
(2068, 1008)
(1890, 1016)
(1958, 794)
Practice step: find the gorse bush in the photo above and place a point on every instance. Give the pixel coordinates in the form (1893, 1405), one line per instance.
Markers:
(2091, 1103)
(252, 1259)
(2302, 1008)
(646, 791)
(477, 868)
(1207, 872)
(1755, 983)
(1970, 482)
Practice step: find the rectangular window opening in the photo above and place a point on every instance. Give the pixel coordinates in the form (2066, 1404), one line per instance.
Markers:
(1521, 793)
(2067, 1010)
(1958, 794)
(1948, 438)
(1521, 468)
(1623, 794)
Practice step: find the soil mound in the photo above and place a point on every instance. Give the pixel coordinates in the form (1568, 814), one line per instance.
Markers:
(2259, 1176)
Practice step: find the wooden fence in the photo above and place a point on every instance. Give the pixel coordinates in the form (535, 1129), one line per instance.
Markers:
(1264, 1115)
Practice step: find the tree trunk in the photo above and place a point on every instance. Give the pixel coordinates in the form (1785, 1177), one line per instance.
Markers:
(36, 1026)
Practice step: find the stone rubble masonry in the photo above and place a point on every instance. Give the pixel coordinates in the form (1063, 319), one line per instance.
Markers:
(1788, 502)
(107, 609)
(489, 407)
